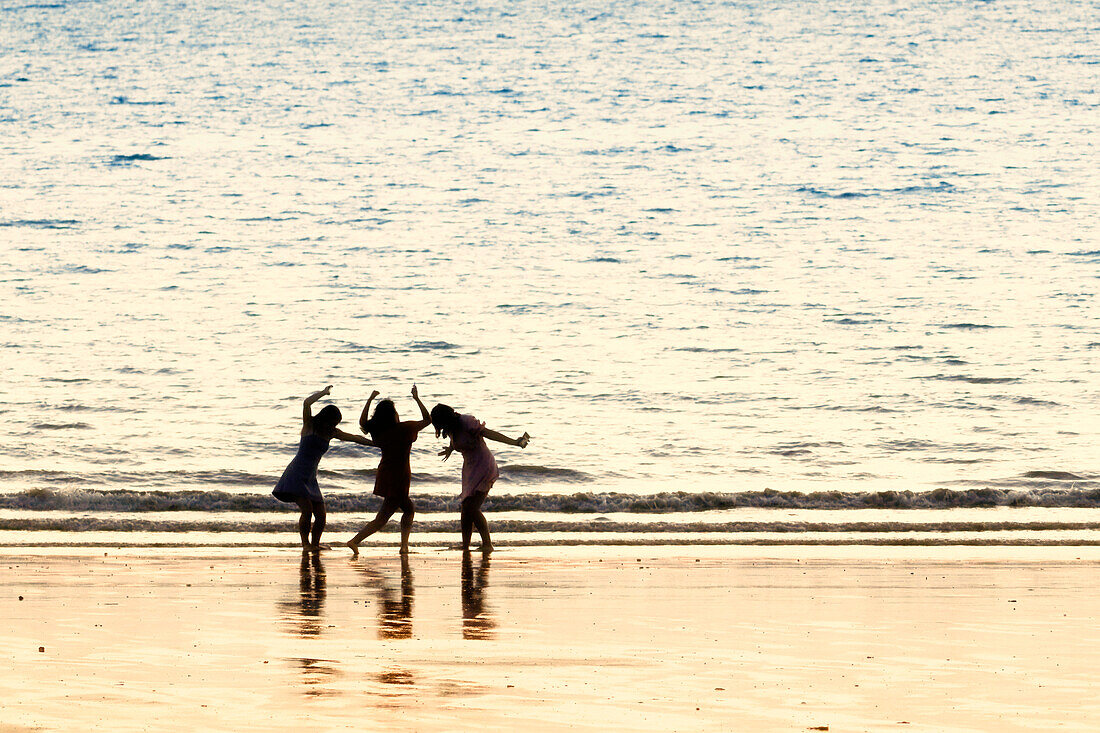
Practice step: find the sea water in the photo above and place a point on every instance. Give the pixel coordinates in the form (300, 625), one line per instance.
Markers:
(713, 256)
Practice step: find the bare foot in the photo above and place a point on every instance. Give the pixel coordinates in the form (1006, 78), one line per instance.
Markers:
(318, 547)
(354, 547)
(404, 550)
(486, 548)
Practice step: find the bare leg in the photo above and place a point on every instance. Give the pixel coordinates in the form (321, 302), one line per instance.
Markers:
(480, 523)
(303, 521)
(407, 514)
(319, 517)
(467, 522)
(472, 517)
(483, 530)
(389, 506)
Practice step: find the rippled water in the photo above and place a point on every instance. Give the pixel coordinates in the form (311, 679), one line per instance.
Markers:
(691, 247)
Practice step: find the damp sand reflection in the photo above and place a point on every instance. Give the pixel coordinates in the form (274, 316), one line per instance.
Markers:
(303, 617)
(395, 622)
(303, 614)
(395, 599)
(478, 622)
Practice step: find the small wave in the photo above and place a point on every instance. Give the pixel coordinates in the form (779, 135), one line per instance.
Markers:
(1036, 402)
(139, 103)
(705, 350)
(431, 346)
(122, 159)
(84, 270)
(1055, 475)
(941, 187)
(854, 321)
(41, 223)
(968, 326)
(61, 426)
(522, 472)
(972, 380)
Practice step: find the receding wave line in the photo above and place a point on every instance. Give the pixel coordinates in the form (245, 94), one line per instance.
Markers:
(173, 479)
(127, 500)
(520, 526)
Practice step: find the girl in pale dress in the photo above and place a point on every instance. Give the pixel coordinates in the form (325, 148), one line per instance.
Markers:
(298, 484)
(479, 468)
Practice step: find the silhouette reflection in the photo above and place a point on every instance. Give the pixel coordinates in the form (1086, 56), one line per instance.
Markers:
(477, 622)
(316, 673)
(304, 613)
(395, 609)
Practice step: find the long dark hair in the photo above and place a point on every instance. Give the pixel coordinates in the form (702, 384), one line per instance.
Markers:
(326, 420)
(383, 420)
(444, 420)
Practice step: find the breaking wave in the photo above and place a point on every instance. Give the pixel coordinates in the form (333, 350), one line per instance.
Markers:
(1085, 493)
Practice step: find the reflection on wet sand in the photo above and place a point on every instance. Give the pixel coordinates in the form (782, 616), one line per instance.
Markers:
(303, 615)
(394, 611)
(477, 622)
(316, 673)
(396, 676)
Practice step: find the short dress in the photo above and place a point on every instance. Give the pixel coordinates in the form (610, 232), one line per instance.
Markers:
(479, 468)
(299, 480)
(394, 472)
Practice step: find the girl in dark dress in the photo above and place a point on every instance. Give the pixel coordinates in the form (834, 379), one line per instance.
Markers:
(298, 484)
(395, 439)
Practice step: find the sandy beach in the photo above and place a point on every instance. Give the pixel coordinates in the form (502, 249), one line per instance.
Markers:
(591, 638)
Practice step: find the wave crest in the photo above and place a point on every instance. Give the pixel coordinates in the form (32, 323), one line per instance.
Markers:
(126, 500)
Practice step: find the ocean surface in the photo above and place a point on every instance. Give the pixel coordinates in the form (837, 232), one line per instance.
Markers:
(786, 271)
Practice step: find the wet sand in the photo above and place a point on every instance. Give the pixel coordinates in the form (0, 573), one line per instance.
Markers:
(593, 638)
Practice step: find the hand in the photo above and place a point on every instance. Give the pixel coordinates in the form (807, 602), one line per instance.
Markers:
(374, 394)
(416, 395)
(446, 452)
(523, 440)
(326, 390)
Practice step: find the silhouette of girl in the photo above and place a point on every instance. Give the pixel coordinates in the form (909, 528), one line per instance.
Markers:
(395, 439)
(298, 484)
(479, 468)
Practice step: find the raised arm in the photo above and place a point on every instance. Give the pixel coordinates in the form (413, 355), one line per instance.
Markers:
(341, 435)
(425, 416)
(307, 413)
(364, 417)
(520, 442)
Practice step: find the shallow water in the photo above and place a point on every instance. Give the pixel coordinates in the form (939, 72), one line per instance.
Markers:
(695, 247)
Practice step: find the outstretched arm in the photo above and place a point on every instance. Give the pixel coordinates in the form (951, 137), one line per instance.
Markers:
(425, 416)
(307, 414)
(520, 442)
(341, 435)
(365, 415)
